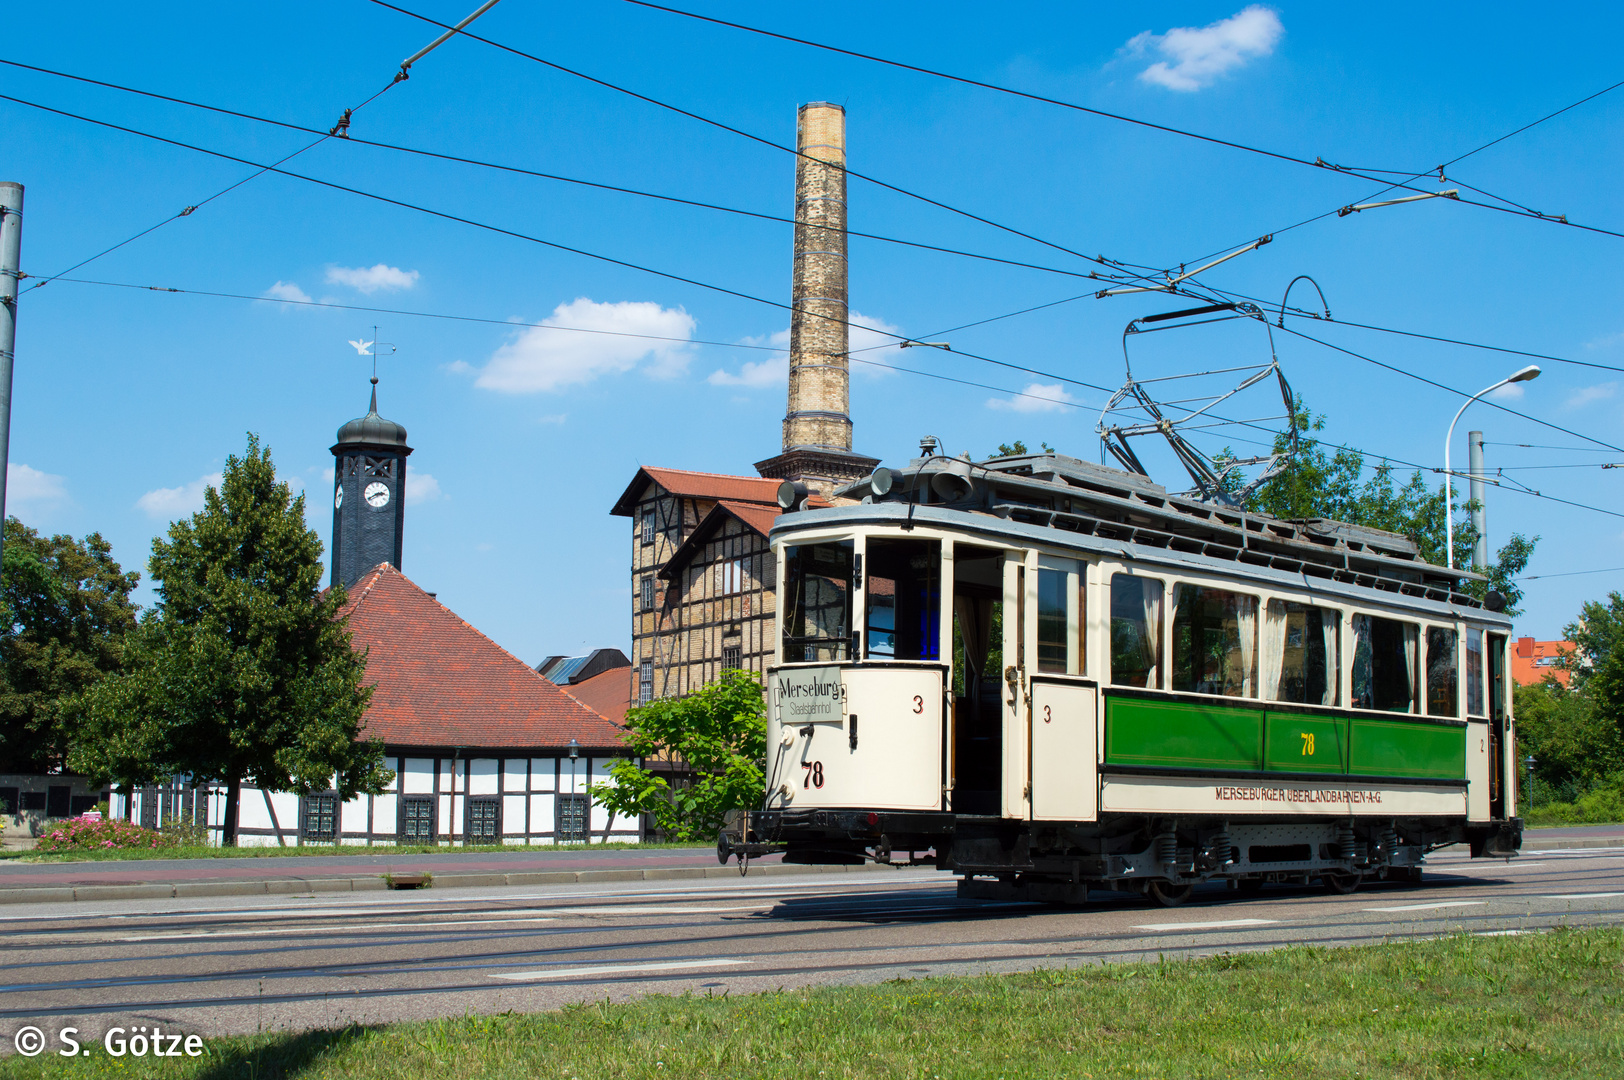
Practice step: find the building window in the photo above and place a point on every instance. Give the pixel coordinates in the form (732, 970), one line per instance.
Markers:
(646, 590)
(571, 825)
(648, 525)
(729, 577)
(484, 821)
(9, 798)
(417, 820)
(645, 682)
(732, 657)
(320, 818)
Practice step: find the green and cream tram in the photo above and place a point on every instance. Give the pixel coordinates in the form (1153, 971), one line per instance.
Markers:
(1046, 675)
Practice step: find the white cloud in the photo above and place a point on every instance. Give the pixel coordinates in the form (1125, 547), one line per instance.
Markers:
(177, 502)
(870, 342)
(539, 358)
(421, 487)
(1599, 392)
(1508, 392)
(1194, 57)
(371, 279)
(1606, 341)
(286, 290)
(553, 418)
(1037, 397)
(459, 367)
(28, 485)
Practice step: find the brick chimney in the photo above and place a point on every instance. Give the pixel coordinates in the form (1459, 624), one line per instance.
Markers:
(817, 423)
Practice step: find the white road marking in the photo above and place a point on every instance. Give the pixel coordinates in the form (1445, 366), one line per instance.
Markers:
(1500, 933)
(1168, 926)
(651, 909)
(258, 931)
(1583, 896)
(1429, 907)
(617, 969)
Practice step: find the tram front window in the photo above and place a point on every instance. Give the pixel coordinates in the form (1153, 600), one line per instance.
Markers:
(1214, 641)
(903, 600)
(817, 602)
(1385, 654)
(1301, 660)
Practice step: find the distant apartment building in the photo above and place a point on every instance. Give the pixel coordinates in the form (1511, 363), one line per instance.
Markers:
(1533, 661)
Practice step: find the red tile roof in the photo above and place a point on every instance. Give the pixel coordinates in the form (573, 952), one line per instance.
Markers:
(608, 693)
(701, 485)
(441, 683)
(1532, 661)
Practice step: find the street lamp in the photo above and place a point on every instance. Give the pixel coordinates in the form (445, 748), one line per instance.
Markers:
(1527, 373)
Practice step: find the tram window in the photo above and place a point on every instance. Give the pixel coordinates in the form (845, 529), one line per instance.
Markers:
(1443, 672)
(1474, 673)
(1214, 641)
(1052, 620)
(1301, 653)
(1497, 677)
(817, 601)
(1384, 663)
(903, 599)
(1136, 631)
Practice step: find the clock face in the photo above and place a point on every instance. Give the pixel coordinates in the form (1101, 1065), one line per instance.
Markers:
(338, 498)
(376, 494)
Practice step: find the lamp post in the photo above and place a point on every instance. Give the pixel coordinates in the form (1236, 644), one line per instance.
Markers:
(1527, 373)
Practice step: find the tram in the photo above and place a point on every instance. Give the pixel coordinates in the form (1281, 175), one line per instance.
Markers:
(1048, 676)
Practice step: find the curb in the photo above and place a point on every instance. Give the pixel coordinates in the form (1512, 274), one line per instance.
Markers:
(62, 894)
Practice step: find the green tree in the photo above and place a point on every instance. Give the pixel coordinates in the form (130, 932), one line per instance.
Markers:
(720, 733)
(1019, 447)
(64, 612)
(243, 670)
(1597, 660)
(1576, 747)
(1316, 483)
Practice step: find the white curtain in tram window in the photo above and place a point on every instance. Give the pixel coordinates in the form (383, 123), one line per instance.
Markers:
(1246, 622)
(1412, 649)
(1152, 639)
(975, 626)
(1329, 624)
(1274, 648)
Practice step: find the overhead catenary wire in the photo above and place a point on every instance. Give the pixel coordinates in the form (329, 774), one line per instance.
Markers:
(1317, 163)
(1575, 573)
(338, 131)
(539, 174)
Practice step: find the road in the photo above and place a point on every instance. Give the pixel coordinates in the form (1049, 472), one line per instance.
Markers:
(228, 966)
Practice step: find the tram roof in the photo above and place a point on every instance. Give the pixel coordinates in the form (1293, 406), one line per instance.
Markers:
(1052, 491)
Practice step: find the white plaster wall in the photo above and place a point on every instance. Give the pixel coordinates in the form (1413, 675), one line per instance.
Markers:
(443, 820)
(513, 774)
(352, 815)
(572, 777)
(598, 816)
(512, 815)
(541, 774)
(482, 776)
(251, 811)
(385, 814)
(445, 774)
(541, 815)
(419, 776)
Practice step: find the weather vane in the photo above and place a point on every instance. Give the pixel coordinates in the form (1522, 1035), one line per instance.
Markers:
(369, 348)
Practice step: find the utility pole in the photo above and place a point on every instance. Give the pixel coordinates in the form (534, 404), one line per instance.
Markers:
(11, 248)
(1474, 469)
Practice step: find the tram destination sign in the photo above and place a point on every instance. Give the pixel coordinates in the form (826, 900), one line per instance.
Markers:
(809, 696)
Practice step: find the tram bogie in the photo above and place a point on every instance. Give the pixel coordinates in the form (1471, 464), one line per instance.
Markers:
(1048, 676)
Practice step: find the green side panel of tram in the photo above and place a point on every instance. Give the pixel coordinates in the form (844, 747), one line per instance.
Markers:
(1304, 742)
(1181, 735)
(1407, 748)
(1176, 734)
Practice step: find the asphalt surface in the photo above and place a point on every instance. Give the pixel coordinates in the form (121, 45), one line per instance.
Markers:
(228, 966)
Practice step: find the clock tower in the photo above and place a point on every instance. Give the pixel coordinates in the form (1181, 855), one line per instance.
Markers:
(369, 494)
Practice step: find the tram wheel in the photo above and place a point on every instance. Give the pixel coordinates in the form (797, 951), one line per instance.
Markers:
(1167, 894)
(1340, 884)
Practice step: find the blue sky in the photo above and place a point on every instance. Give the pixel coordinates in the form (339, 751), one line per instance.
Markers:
(127, 400)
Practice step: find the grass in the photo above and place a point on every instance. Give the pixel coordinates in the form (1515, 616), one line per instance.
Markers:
(202, 852)
(1601, 806)
(1544, 1005)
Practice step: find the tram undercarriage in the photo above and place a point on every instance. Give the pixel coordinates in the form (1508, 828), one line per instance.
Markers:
(1161, 858)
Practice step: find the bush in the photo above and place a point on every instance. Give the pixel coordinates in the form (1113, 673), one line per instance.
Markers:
(85, 834)
(1601, 806)
(183, 831)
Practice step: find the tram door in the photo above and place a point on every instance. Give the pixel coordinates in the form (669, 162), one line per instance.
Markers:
(1499, 775)
(979, 689)
(1062, 721)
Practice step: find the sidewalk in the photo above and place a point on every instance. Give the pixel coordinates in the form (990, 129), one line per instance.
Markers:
(135, 879)
(64, 882)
